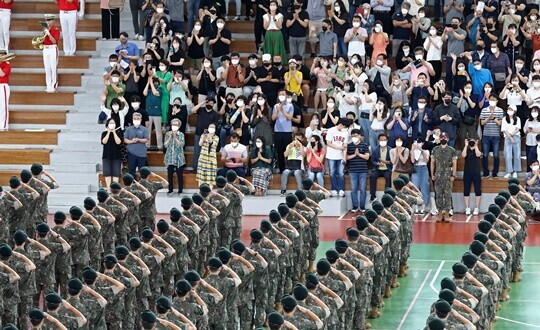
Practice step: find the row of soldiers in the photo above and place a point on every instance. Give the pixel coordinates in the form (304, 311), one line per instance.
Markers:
(470, 299)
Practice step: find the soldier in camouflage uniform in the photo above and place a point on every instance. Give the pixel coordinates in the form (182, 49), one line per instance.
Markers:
(142, 194)
(208, 294)
(8, 205)
(236, 210)
(143, 292)
(443, 170)
(398, 214)
(153, 183)
(225, 222)
(196, 248)
(308, 214)
(169, 266)
(62, 267)
(449, 296)
(277, 322)
(313, 243)
(29, 220)
(404, 200)
(26, 195)
(101, 244)
(95, 242)
(472, 286)
(77, 236)
(329, 297)
(64, 311)
(131, 202)
(8, 277)
(10, 292)
(191, 231)
(117, 210)
(314, 191)
(205, 239)
(165, 311)
(42, 320)
(189, 302)
(43, 187)
(213, 205)
(148, 254)
(301, 225)
(310, 302)
(178, 241)
(453, 320)
(149, 320)
(85, 300)
(299, 316)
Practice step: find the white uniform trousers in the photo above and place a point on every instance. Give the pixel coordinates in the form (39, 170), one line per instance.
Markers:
(4, 106)
(68, 22)
(50, 61)
(5, 20)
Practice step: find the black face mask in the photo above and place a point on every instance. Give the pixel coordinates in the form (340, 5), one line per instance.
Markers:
(490, 26)
(212, 11)
(277, 63)
(446, 101)
(209, 107)
(314, 144)
(455, 26)
(472, 144)
(230, 100)
(325, 28)
(444, 142)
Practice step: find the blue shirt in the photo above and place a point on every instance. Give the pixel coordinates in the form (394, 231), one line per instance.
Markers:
(132, 50)
(283, 124)
(479, 78)
(357, 164)
(138, 149)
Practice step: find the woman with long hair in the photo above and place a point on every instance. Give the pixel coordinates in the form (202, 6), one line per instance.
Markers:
(315, 159)
(273, 39)
(531, 128)
(207, 165)
(261, 166)
(379, 40)
(260, 120)
(314, 127)
(510, 128)
(320, 68)
(377, 117)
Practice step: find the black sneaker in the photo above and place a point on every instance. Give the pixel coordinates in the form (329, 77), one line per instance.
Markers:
(486, 175)
(283, 193)
(495, 176)
(305, 108)
(372, 199)
(354, 210)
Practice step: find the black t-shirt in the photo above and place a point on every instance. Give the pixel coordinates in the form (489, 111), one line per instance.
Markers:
(206, 84)
(176, 57)
(220, 48)
(182, 116)
(338, 29)
(111, 150)
(399, 32)
(155, 60)
(298, 112)
(195, 50)
(208, 26)
(128, 119)
(251, 81)
(487, 40)
(269, 87)
(296, 30)
(205, 118)
(472, 163)
(306, 73)
(329, 123)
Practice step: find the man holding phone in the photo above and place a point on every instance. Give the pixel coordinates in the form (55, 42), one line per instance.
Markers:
(234, 156)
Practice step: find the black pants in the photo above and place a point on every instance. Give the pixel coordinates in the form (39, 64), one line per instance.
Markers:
(375, 174)
(179, 175)
(437, 67)
(259, 31)
(281, 141)
(110, 23)
(386, 18)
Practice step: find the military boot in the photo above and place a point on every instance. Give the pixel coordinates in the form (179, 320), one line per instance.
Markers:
(504, 295)
(445, 216)
(277, 307)
(368, 325)
(311, 266)
(402, 270)
(387, 292)
(395, 283)
(440, 216)
(374, 313)
(516, 277)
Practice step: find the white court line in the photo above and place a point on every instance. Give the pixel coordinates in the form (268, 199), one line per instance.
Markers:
(468, 218)
(517, 322)
(425, 218)
(414, 300)
(432, 283)
(343, 215)
(439, 260)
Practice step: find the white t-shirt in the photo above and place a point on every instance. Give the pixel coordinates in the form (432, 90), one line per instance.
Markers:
(272, 25)
(339, 138)
(433, 54)
(533, 94)
(355, 45)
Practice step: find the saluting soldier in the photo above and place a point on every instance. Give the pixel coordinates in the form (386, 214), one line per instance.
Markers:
(191, 231)
(299, 316)
(77, 236)
(209, 294)
(166, 312)
(198, 216)
(142, 194)
(236, 209)
(214, 205)
(87, 301)
(168, 266)
(311, 302)
(131, 202)
(42, 320)
(64, 311)
(150, 321)
(96, 246)
(313, 242)
(189, 302)
(26, 196)
(329, 297)
(225, 221)
(153, 183)
(63, 264)
(117, 210)
(8, 205)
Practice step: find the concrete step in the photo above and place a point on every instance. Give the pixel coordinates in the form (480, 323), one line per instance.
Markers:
(72, 188)
(75, 137)
(79, 167)
(79, 156)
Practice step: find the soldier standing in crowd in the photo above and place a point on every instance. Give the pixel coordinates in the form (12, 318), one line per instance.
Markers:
(150, 250)
(142, 194)
(191, 231)
(214, 205)
(178, 241)
(199, 217)
(122, 225)
(225, 280)
(225, 222)
(313, 243)
(152, 182)
(236, 211)
(168, 266)
(443, 169)
(142, 292)
(117, 210)
(87, 301)
(8, 205)
(43, 187)
(77, 236)
(103, 243)
(64, 260)
(26, 195)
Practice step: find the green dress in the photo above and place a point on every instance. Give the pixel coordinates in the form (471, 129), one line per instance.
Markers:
(273, 40)
(165, 94)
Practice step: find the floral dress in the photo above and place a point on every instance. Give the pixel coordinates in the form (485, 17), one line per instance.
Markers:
(207, 166)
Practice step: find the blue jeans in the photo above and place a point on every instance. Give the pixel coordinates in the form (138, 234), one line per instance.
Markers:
(319, 175)
(285, 176)
(421, 180)
(135, 162)
(337, 176)
(512, 154)
(342, 47)
(193, 12)
(358, 183)
(223, 133)
(196, 152)
(365, 124)
(490, 143)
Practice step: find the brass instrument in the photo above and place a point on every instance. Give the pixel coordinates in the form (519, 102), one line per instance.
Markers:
(37, 41)
(7, 57)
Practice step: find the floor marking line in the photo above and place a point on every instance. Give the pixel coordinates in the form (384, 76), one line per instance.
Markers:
(342, 216)
(425, 218)
(414, 300)
(468, 218)
(432, 283)
(518, 322)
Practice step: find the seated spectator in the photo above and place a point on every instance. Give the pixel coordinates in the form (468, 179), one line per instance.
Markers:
(294, 154)
(174, 156)
(357, 158)
(261, 166)
(234, 156)
(315, 155)
(471, 173)
(378, 117)
(381, 165)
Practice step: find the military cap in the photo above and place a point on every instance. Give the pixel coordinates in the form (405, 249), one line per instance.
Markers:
(110, 258)
(362, 222)
(75, 284)
(442, 306)
(266, 226)
(390, 191)
(288, 302)
(238, 247)
(300, 194)
(10, 326)
(353, 233)
(144, 172)
(323, 267)
(436, 324)
(186, 201)
(506, 194)
(341, 245)
(135, 243)
(459, 269)
(220, 181)
(484, 226)
(14, 182)
(147, 233)
(500, 201)
(5, 250)
(514, 181)
(59, 215)
(204, 189)
(42, 227)
(128, 179)
(387, 200)
(175, 213)
(513, 189)
(490, 217)
(121, 251)
(162, 226)
(481, 237)
(102, 194)
(495, 209)
(182, 286)
(164, 302)
(275, 319)
(36, 315)
(89, 203)
(377, 207)
(332, 255)
(20, 237)
(312, 278)
(274, 216)
(291, 200)
(148, 316)
(53, 298)
(398, 183)
(307, 184)
(76, 212)
(89, 274)
(447, 295)
(300, 292)
(197, 199)
(469, 259)
(448, 283)
(115, 185)
(256, 235)
(404, 177)
(224, 255)
(371, 215)
(36, 168)
(477, 247)
(231, 176)
(192, 276)
(26, 176)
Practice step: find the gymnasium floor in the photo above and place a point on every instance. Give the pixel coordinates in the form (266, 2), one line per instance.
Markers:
(436, 247)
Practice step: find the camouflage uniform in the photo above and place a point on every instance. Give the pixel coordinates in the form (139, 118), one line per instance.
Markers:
(332, 321)
(142, 292)
(62, 267)
(236, 210)
(10, 291)
(169, 267)
(130, 294)
(7, 210)
(95, 242)
(280, 281)
(79, 248)
(192, 310)
(241, 295)
(41, 210)
(18, 218)
(309, 215)
(182, 255)
(339, 288)
(4, 282)
(83, 306)
(443, 171)
(316, 196)
(261, 280)
(348, 310)
(298, 264)
(27, 284)
(364, 284)
(301, 321)
(195, 248)
(147, 209)
(213, 231)
(65, 317)
(135, 220)
(108, 233)
(225, 222)
(121, 225)
(179, 257)
(115, 311)
(451, 322)
(105, 289)
(480, 309)
(217, 311)
(380, 262)
(155, 280)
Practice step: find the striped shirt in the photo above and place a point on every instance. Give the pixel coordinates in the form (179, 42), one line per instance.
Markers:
(357, 164)
(491, 128)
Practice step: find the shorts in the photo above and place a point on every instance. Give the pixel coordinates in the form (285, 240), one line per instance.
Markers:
(112, 167)
(195, 63)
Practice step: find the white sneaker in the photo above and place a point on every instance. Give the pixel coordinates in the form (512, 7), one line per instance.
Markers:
(333, 193)
(451, 212)
(476, 211)
(468, 211)
(140, 37)
(507, 175)
(514, 175)
(341, 193)
(434, 212)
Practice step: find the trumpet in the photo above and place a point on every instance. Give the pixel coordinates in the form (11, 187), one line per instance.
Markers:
(37, 41)
(7, 57)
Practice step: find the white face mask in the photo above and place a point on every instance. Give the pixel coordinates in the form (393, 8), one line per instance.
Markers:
(259, 144)
(159, 10)
(492, 103)
(234, 62)
(461, 68)
(337, 9)
(220, 25)
(115, 79)
(162, 68)
(240, 103)
(355, 139)
(494, 50)
(536, 84)
(421, 15)
(510, 112)
(515, 83)
(378, 29)
(406, 51)
(207, 64)
(421, 105)
(383, 143)
(136, 123)
(330, 105)
(112, 64)
(135, 105)
(252, 62)
(399, 143)
(536, 67)
(418, 57)
(432, 32)
(397, 82)
(404, 11)
(354, 61)
(115, 107)
(519, 66)
(289, 100)
(533, 18)
(175, 128)
(535, 167)
(512, 11)
(211, 130)
(261, 102)
(478, 67)
(379, 62)
(468, 90)
(534, 114)
(487, 89)
(234, 144)
(282, 98)
(356, 24)
(197, 27)
(254, 100)
(112, 126)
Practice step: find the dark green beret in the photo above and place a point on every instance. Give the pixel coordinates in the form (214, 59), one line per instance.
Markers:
(448, 283)
(266, 226)
(75, 211)
(175, 213)
(469, 259)
(110, 258)
(238, 247)
(283, 209)
(481, 237)
(59, 215)
(186, 201)
(300, 292)
(115, 185)
(204, 188)
(36, 315)
(224, 255)
(20, 237)
(447, 295)
(102, 194)
(300, 194)
(192, 276)
(484, 226)
(89, 203)
(274, 216)
(323, 267)
(148, 316)
(135, 243)
(341, 245)
(495, 209)
(436, 324)
(353, 233)
(362, 222)
(231, 175)
(26, 176)
(307, 184)
(459, 269)
(442, 306)
(332, 255)
(220, 181)
(10, 326)
(121, 251)
(197, 199)
(288, 302)
(42, 227)
(162, 226)
(5, 250)
(53, 298)
(89, 274)
(144, 172)
(404, 177)
(387, 200)
(390, 191)
(256, 234)
(505, 194)
(377, 207)
(164, 302)
(371, 215)
(477, 247)
(75, 284)
(312, 278)
(182, 286)
(514, 181)
(513, 189)
(14, 182)
(500, 201)
(398, 183)
(36, 168)
(291, 200)
(147, 233)
(275, 319)
(128, 179)
(490, 217)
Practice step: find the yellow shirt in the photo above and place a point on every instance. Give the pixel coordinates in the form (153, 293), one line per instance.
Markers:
(383, 167)
(294, 86)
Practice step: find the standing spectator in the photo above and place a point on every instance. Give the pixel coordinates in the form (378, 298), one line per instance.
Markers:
(479, 75)
(381, 11)
(239, 120)
(153, 92)
(164, 77)
(507, 17)
(131, 79)
(511, 127)
(207, 78)
(433, 45)
(367, 19)
(176, 56)
(443, 168)
(357, 158)
(419, 88)
(491, 118)
(348, 99)
(111, 139)
(447, 117)
(355, 38)
(195, 42)
(234, 75)
(282, 115)
(511, 42)
(192, 13)
(421, 26)
(402, 22)
(328, 41)
(453, 9)
(220, 42)
(461, 77)
(379, 72)
(270, 85)
(489, 33)
(178, 88)
(294, 154)
(204, 118)
(261, 166)
(261, 9)
(317, 13)
(399, 155)
(315, 159)
(340, 23)
(378, 118)
(114, 88)
(207, 160)
(293, 81)
(421, 119)
(514, 94)
(381, 165)
(110, 21)
(176, 15)
(320, 69)
(533, 93)
(297, 26)
(234, 156)
(260, 120)
(135, 138)
(419, 66)
(174, 157)
(336, 142)
(306, 82)
(68, 23)
(469, 112)
(314, 127)
(471, 173)
(499, 65)
(367, 99)
(532, 129)
(250, 81)
(420, 175)
(273, 38)
(178, 111)
(379, 40)
(397, 126)
(330, 116)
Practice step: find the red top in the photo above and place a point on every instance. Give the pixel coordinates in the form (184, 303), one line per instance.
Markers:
(6, 68)
(55, 33)
(5, 5)
(65, 5)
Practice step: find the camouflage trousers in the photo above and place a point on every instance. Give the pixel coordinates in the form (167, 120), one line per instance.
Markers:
(363, 297)
(313, 243)
(61, 282)
(245, 312)
(10, 314)
(130, 314)
(44, 288)
(443, 197)
(26, 304)
(225, 236)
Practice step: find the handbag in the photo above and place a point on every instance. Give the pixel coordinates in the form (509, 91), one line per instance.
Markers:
(317, 169)
(293, 164)
(500, 76)
(405, 168)
(468, 120)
